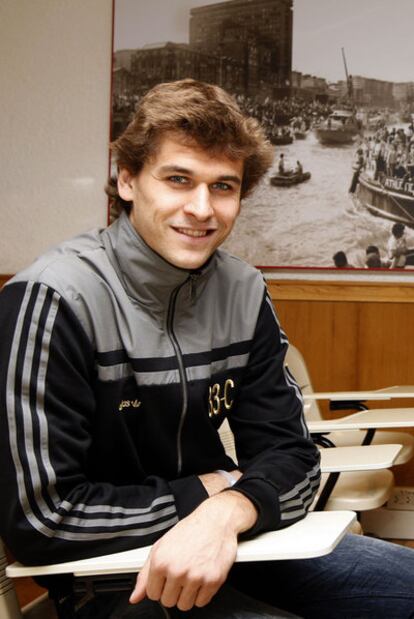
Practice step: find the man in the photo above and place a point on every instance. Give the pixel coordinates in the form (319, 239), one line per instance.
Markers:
(399, 254)
(126, 348)
(373, 258)
(341, 261)
(357, 167)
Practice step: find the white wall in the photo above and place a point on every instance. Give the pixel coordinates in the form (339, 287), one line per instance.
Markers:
(54, 117)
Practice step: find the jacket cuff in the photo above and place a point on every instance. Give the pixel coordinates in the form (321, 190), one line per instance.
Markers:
(188, 493)
(265, 498)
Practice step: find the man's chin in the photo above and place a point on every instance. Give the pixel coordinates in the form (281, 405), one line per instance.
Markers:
(190, 262)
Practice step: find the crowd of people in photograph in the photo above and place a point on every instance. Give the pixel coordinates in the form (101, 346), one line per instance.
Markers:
(277, 116)
(386, 153)
(280, 115)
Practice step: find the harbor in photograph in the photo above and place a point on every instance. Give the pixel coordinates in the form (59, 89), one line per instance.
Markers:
(340, 117)
(305, 225)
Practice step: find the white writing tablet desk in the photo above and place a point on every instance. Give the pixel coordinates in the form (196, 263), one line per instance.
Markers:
(316, 535)
(358, 458)
(373, 419)
(336, 460)
(388, 393)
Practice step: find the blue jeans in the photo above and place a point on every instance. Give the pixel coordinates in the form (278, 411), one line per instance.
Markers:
(363, 578)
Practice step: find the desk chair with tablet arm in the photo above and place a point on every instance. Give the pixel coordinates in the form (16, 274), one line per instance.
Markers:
(354, 478)
(316, 535)
(278, 542)
(369, 422)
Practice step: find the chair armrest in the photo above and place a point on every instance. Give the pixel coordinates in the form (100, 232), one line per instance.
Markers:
(358, 458)
(387, 393)
(380, 418)
(317, 534)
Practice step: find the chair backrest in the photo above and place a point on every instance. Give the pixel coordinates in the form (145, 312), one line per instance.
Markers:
(9, 606)
(296, 365)
(227, 438)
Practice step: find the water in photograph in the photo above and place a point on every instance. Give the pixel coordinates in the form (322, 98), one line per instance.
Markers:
(306, 224)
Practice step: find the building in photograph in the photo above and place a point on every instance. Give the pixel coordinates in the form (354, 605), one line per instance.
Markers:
(121, 81)
(309, 87)
(256, 33)
(403, 93)
(122, 58)
(167, 62)
(367, 91)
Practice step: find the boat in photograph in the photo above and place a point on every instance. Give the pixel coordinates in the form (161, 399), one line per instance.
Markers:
(281, 140)
(300, 135)
(341, 127)
(390, 198)
(286, 180)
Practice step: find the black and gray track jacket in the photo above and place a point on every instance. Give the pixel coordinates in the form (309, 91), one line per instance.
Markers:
(117, 369)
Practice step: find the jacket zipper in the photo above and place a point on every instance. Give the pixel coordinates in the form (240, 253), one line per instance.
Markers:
(181, 368)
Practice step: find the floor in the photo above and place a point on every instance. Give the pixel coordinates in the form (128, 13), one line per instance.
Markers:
(42, 610)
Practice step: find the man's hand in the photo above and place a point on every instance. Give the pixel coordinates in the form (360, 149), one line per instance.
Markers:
(189, 564)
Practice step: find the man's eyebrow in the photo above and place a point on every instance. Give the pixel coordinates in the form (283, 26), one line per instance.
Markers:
(169, 169)
(176, 169)
(230, 177)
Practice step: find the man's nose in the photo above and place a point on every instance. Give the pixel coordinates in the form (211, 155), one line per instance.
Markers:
(199, 203)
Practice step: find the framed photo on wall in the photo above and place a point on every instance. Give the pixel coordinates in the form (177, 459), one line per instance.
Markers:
(333, 88)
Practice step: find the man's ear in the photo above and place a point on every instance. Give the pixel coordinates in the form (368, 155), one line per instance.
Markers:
(125, 188)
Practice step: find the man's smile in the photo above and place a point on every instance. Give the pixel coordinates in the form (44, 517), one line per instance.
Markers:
(192, 232)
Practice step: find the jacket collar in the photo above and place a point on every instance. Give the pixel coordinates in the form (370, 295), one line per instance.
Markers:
(145, 275)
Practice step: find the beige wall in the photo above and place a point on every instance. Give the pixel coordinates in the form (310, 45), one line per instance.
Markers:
(54, 116)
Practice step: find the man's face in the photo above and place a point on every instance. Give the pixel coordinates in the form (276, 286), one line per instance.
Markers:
(185, 201)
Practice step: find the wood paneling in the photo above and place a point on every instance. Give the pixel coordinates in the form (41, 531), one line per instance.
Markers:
(3, 279)
(353, 343)
(296, 290)
(313, 327)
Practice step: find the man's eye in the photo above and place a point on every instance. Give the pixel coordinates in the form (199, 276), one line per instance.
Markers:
(222, 186)
(178, 180)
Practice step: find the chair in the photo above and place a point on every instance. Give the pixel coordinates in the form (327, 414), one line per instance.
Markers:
(342, 488)
(288, 541)
(298, 368)
(40, 608)
(316, 535)
(9, 607)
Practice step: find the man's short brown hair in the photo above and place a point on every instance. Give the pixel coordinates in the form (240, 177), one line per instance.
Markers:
(201, 113)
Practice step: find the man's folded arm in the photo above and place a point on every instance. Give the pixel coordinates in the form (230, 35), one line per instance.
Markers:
(279, 461)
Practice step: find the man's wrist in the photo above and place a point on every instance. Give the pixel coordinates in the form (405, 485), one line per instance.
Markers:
(217, 481)
(233, 507)
(231, 479)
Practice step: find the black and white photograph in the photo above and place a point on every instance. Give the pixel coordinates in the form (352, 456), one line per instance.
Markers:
(332, 84)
